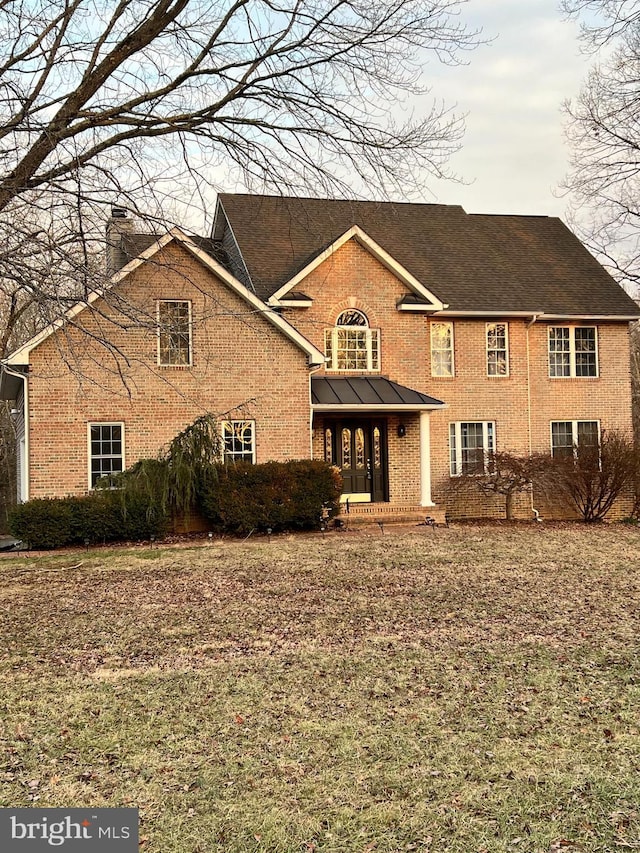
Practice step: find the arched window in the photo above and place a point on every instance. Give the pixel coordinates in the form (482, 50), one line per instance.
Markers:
(351, 344)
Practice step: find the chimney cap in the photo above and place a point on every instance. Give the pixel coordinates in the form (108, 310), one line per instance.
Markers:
(118, 213)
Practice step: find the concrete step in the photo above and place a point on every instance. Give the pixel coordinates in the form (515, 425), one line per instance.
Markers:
(384, 513)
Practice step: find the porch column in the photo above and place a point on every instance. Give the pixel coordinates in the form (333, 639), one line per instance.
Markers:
(425, 460)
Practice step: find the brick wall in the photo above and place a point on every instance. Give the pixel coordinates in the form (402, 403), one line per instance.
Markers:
(241, 366)
(521, 405)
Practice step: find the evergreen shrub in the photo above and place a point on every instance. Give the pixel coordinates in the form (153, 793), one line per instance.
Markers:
(102, 516)
(242, 497)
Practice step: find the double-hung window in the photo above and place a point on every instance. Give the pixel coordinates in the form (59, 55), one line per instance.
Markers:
(239, 441)
(573, 351)
(106, 450)
(569, 437)
(351, 344)
(497, 349)
(174, 333)
(471, 444)
(442, 349)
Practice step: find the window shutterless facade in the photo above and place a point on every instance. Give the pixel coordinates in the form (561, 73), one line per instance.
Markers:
(106, 450)
(351, 344)
(567, 437)
(497, 349)
(471, 444)
(174, 333)
(573, 351)
(238, 441)
(442, 349)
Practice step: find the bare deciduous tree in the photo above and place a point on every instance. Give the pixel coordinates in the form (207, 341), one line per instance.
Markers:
(594, 477)
(604, 132)
(507, 475)
(143, 102)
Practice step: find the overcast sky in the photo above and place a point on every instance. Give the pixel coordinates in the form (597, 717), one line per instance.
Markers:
(512, 89)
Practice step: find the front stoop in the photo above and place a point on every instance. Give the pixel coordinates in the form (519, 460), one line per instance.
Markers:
(384, 513)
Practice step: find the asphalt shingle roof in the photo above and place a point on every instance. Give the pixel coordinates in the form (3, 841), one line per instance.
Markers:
(472, 262)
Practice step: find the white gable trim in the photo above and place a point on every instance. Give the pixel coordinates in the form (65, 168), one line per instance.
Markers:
(356, 233)
(316, 357)
(21, 355)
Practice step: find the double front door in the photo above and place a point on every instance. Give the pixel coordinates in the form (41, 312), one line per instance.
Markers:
(359, 449)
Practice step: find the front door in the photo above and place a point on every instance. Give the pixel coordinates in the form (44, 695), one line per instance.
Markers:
(359, 448)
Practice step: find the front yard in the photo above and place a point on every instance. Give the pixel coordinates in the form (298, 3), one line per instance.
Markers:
(472, 689)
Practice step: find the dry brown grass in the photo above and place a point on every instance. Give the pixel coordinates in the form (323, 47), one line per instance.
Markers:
(466, 689)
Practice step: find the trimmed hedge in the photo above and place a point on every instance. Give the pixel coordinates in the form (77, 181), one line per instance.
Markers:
(236, 498)
(102, 516)
(292, 495)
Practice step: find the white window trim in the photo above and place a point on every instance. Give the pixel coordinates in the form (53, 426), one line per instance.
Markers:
(253, 435)
(161, 363)
(506, 349)
(369, 333)
(91, 488)
(574, 429)
(453, 349)
(485, 445)
(572, 351)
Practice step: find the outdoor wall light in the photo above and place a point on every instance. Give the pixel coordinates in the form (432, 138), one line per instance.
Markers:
(402, 430)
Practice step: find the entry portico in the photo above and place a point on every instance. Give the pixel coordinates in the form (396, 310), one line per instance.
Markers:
(362, 425)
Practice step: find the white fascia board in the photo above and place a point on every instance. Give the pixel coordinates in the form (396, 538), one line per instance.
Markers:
(315, 356)
(600, 318)
(417, 308)
(21, 355)
(488, 313)
(379, 407)
(541, 315)
(355, 232)
(291, 303)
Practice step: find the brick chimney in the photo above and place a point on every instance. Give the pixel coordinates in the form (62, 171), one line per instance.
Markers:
(118, 226)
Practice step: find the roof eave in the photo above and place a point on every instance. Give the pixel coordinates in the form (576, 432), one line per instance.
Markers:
(377, 407)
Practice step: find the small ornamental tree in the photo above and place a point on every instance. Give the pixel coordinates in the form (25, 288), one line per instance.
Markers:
(593, 477)
(507, 474)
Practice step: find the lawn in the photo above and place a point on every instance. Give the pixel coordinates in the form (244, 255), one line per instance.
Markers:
(473, 689)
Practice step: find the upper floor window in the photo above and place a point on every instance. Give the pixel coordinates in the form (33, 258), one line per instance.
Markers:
(106, 451)
(351, 344)
(174, 332)
(471, 445)
(239, 441)
(497, 349)
(568, 437)
(573, 351)
(442, 349)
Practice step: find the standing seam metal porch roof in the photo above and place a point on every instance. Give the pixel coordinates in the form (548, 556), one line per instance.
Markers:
(354, 392)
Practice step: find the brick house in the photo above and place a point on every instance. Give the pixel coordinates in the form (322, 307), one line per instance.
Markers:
(401, 342)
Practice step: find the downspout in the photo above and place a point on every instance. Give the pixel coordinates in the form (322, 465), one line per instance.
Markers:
(24, 470)
(534, 319)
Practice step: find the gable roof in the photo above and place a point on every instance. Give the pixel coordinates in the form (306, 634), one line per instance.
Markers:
(471, 262)
(420, 293)
(194, 247)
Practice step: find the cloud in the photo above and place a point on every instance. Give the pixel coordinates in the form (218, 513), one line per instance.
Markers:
(511, 90)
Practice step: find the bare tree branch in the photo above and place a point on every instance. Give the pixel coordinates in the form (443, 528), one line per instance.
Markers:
(604, 132)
